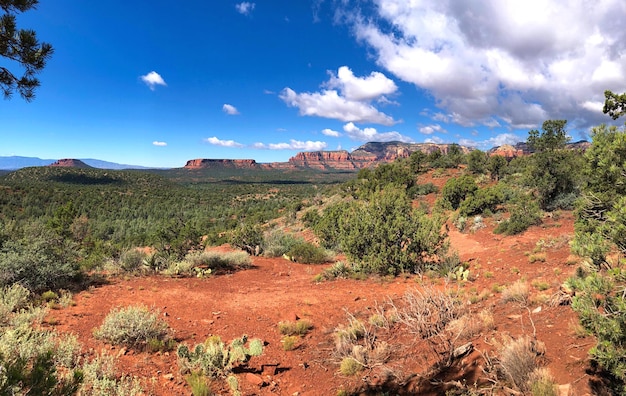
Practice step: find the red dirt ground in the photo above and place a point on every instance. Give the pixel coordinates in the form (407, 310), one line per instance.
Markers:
(254, 301)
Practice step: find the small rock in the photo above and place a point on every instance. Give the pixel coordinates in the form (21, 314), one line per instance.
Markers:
(122, 352)
(514, 316)
(537, 310)
(168, 377)
(565, 390)
(255, 379)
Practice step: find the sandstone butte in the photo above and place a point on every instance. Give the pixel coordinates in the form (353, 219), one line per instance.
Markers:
(70, 163)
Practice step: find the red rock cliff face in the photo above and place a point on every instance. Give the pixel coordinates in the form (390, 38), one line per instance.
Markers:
(203, 163)
(70, 163)
(324, 160)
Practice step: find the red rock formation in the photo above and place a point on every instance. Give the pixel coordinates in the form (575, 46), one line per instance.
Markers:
(70, 163)
(203, 163)
(507, 151)
(323, 160)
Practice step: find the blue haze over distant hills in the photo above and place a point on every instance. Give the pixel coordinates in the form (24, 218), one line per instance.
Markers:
(17, 162)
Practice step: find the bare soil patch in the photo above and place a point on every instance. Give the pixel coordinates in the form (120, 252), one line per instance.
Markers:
(254, 301)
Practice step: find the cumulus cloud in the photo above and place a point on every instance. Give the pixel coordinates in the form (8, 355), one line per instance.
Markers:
(245, 7)
(153, 79)
(372, 135)
(223, 143)
(230, 109)
(522, 61)
(361, 88)
(160, 144)
(330, 132)
(292, 145)
(329, 104)
(346, 97)
(502, 139)
(434, 139)
(430, 129)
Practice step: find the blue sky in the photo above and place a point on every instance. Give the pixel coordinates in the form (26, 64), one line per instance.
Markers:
(157, 83)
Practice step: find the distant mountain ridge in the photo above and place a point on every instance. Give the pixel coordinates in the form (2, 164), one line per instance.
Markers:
(18, 162)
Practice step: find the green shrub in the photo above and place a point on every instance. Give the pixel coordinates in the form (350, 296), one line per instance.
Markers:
(458, 189)
(278, 243)
(40, 261)
(198, 384)
(307, 253)
(349, 367)
(289, 342)
(101, 379)
(132, 260)
(248, 237)
(133, 326)
(525, 212)
(483, 199)
(386, 236)
(601, 306)
(338, 270)
(215, 359)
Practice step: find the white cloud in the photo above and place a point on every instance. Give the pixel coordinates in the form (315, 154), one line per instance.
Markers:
(329, 104)
(361, 88)
(292, 145)
(430, 129)
(223, 143)
(153, 79)
(245, 7)
(502, 139)
(434, 139)
(522, 61)
(330, 132)
(230, 109)
(160, 144)
(372, 135)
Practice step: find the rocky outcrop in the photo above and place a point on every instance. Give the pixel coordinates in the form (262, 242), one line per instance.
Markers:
(519, 149)
(323, 160)
(69, 163)
(204, 163)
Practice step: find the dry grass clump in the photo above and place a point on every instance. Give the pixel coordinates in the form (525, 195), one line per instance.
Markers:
(518, 362)
(299, 327)
(469, 326)
(541, 383)
(517, 292)
(357, 347)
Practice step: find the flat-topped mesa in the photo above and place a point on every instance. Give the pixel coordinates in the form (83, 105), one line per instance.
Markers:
(204, 163)
(339, 159)
(69, 163)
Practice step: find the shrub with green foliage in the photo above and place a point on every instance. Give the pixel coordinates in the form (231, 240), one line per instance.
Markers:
(308, 253)
(40, 260)
(133, 326)
(601, 305)
(457, 189)
(277, 243)
(524, 212)
(385, 235)
(248, 237)
(483, 199)
(477, 161)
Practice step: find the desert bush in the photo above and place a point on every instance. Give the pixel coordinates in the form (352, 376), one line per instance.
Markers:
(277, 243)
(307, 253)
(601, 305)
(357, 347)
(524, 211)
(132, 260)
(457, 189)
(40, 261)
(386, 236)
(422, 189)
(518, 361)
(541, 383)
(198, 384)
(299, 327)
(133, 326)
(12, 299)
(339, 269)
(483, 199)
(248, 237)
(101, 379)
(219, 261)
(214, 358)
(517, 292)
(289, 342)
